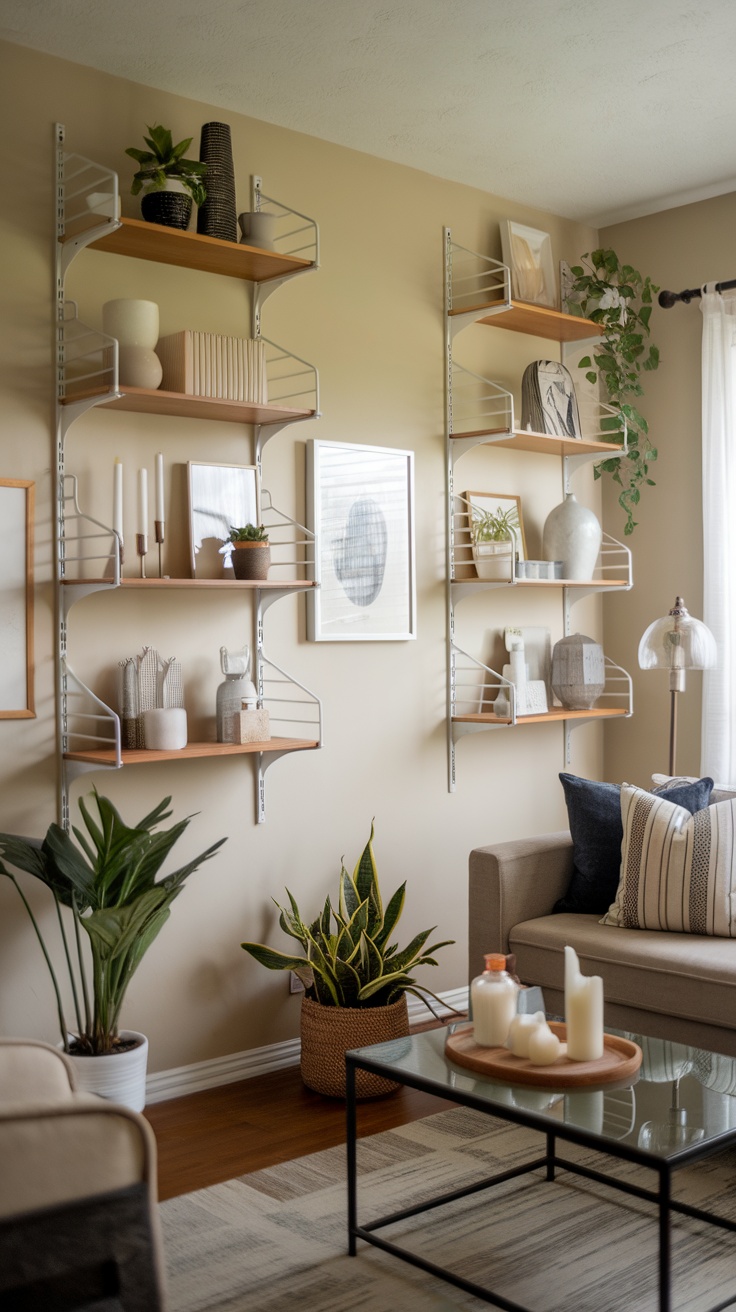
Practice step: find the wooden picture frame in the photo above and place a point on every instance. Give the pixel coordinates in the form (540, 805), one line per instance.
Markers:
(528, 254)
(17, 503)
(495, 502)
(220, 497)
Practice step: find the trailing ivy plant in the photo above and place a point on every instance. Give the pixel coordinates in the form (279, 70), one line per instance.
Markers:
(617, 297)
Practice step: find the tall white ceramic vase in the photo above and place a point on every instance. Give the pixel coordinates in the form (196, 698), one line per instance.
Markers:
(573, 535)
(135, 324)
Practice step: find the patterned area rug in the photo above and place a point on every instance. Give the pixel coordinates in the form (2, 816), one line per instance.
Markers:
(277, 1239)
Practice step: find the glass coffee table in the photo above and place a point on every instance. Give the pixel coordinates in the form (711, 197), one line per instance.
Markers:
(658, 1120)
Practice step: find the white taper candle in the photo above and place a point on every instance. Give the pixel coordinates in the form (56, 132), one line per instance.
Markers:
(160, 487)
(142, 502)
(117, 497)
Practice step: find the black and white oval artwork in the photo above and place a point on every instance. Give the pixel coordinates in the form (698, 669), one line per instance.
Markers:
(360, 554)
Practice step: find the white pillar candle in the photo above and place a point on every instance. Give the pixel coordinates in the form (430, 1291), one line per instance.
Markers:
(583, 1011)
(142, 502)
(544, 1046)
(117, 498)
(160, 487)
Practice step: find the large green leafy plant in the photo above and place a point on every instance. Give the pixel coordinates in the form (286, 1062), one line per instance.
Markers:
(617, 297)
(110, 887)
(164, 160)
(348, 959)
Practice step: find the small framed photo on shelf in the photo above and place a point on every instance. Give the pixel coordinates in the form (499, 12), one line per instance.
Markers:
(221, 497)
(360, 506)
(528, 254)
(491, 515)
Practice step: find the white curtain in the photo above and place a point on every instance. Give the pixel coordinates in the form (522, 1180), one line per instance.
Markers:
(718, 740)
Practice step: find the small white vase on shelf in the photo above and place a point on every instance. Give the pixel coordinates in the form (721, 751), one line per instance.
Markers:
(573, 535)
(135, 324)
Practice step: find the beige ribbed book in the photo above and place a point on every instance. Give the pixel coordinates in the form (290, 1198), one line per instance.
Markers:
(211, 364)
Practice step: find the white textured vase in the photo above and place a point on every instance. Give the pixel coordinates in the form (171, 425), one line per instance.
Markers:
(135, 324)
(118, 1076)
(573, 535)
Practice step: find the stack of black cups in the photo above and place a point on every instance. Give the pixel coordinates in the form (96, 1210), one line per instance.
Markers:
(217, 217)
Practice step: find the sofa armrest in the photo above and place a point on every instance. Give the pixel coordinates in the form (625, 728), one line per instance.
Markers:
(512, 882)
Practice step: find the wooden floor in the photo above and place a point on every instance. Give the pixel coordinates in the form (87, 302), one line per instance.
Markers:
(209, 1137)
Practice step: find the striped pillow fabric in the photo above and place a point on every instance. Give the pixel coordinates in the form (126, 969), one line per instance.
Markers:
(678, 871)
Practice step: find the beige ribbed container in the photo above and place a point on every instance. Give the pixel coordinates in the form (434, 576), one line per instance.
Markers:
(329, 1032)
(118, 1076)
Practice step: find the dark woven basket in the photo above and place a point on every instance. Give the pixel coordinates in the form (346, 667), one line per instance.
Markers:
(329, 1032)
(172, 209)
(251, 560)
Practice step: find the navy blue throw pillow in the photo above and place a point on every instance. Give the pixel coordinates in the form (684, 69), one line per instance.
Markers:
(594, 814)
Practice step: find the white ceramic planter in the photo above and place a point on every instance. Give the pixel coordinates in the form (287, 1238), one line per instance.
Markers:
(118, 1076)
(492, 560)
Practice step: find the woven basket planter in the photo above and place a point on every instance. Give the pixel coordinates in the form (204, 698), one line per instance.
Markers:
(251, 560)
(329, 1032)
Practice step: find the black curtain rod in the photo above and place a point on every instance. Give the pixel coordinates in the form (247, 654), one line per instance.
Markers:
(668, 299)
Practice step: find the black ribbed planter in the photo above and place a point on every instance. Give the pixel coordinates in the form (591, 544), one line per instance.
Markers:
(171, 209)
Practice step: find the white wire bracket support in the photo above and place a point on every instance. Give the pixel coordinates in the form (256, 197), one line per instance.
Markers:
(619, 688)
(476, 286)
(292, 382)
(86, 723)
(85, 544)
(295, 234)
(87, 204)
(291, 707)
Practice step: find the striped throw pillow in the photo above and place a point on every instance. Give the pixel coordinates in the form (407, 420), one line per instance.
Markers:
(678, 871)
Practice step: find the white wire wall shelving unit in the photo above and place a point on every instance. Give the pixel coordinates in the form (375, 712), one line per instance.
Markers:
(89, 552)
(481, 412)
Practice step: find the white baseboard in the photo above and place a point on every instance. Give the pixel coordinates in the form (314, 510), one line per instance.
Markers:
(180, 1080)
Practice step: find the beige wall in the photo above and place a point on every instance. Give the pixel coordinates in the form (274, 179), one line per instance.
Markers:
(371, 319)
(679, 248)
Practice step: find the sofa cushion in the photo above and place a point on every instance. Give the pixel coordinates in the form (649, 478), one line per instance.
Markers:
(594, 811)
(677, 869)
(691, 976)
(721, 792)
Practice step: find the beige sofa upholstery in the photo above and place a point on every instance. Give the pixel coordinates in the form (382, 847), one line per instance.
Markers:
(674, 986)
(78, 1208)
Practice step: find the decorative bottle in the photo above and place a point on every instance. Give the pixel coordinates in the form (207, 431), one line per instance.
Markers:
(573, 535)
(494, 996)
(234, 694)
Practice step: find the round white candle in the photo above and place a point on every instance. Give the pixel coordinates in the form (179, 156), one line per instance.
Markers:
(522, 1027)
(160, 487)
(117, 497)
(544, 1046)
(142, 502)
(583, 1011)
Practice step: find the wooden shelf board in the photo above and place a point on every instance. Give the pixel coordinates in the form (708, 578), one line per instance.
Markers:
(139, 756)
(266, 585)
(548, 444)
(558, 713)
(144, 400)
(535, 320)
(549, 583)
(190, 250)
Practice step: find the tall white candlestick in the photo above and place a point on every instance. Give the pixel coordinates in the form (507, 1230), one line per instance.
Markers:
(142, 502)
(583, 1011)
(160, 487)
(117, 498)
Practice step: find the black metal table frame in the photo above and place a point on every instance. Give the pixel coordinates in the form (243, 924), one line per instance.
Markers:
(550, 1161)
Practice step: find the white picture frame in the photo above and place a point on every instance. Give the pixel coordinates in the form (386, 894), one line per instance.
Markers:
(360, 507)
(17, 497)
(528, 254)
(220, 497)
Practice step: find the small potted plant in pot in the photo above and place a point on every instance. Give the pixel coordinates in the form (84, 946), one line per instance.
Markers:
(170, 182)
(356, 979)
(494, 541)
(116, 905)
(251, 552)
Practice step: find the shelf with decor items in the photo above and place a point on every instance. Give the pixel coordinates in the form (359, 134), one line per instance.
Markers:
(89, 552)
(480, 412)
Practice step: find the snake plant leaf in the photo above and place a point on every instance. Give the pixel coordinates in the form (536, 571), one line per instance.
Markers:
(365, 877)
(349, 898)
(391, 918)
(272, 959)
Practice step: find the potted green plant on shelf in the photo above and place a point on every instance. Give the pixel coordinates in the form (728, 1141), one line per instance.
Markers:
(494, 537)
(108, 884)
(169, 181)
(355, 979)
(251, 552)
(619, 298)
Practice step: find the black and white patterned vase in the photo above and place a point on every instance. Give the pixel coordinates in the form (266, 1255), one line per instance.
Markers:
(217, 217)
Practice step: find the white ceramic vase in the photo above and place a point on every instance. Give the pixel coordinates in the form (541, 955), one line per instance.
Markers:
(573, 535)
(165, 728)
(135, 324)
(118, 1076)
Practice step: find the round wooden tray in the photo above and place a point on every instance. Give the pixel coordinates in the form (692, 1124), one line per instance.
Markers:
(621, 1059)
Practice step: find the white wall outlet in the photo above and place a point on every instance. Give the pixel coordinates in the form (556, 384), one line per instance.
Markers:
(295, 984)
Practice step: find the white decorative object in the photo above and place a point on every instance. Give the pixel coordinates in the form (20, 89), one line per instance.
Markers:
(528, 254)
(494, 996)
(165, 729)
(237, 692)
(252, 726)
(135, 324)
(583, 1011)
(258, 229)
(572, 534)
(521, 1029)
(118, 1076)
(578, 671)
(544, 1046)
(493, 560)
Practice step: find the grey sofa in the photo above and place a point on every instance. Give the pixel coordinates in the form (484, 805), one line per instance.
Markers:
(673, 986)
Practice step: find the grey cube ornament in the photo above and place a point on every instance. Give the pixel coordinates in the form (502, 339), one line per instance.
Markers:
(578, 672)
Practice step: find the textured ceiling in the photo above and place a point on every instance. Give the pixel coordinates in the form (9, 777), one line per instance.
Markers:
(595, 109)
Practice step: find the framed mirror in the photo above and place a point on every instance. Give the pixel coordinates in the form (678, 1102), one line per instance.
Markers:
(220, 497)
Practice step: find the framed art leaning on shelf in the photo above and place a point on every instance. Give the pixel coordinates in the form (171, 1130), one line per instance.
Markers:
(360, 506)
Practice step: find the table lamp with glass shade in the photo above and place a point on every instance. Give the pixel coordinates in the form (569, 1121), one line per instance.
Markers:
(677, 643)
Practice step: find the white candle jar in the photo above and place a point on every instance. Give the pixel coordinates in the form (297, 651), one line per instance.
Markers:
(494, 997)
(136, 326)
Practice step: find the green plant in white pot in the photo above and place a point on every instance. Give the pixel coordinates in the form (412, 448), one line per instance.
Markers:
(494, 534)
(107, 881)
(619, 299)
(356, 980)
